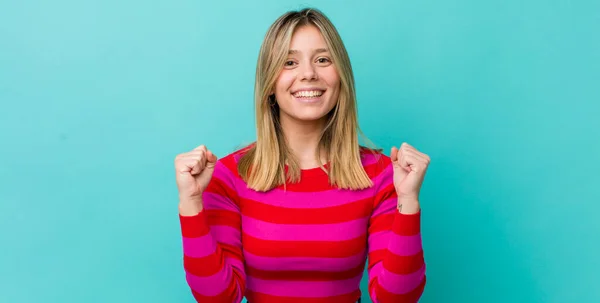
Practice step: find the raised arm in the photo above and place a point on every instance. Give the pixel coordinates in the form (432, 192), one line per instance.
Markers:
(396, 263)
(211, 232)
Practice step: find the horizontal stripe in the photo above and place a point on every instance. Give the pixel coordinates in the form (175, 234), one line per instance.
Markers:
(385, 177)
(407, 224)
(337, 249)
(223, 218)
(225, 175)
(227, 235)
(382, 222)
(330, 198)
(385, 296)
(305, 232)
(219, 187)
(397, 284)
(256, 297)
(403, 265)
(405, 245)
(304, 263)
(388, 206)
(210, 264)
(303, 275)
(325, 215)
(394, 263)
(215, 284)
(205, 266)
(231, 294)
(213, 201)
(312, 180)
(194, 226)
(384, 194)
(199, 247)
(398, 245)
(379, 240)
(304, 289)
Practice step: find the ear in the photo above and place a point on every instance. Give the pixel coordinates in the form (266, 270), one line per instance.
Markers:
(272, 100)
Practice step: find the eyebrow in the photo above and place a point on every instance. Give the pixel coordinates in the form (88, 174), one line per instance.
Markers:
(317, 51)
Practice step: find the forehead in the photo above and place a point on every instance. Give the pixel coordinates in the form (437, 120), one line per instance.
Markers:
(307, 37)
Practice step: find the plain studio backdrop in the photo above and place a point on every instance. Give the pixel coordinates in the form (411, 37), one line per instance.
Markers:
(97, 98)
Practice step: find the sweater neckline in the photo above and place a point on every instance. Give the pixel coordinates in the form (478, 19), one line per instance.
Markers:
(314, 171)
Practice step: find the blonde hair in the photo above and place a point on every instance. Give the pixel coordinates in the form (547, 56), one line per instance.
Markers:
(263, 164)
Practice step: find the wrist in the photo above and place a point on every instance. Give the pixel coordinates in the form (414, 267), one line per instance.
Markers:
(408, 206)
(190, 206)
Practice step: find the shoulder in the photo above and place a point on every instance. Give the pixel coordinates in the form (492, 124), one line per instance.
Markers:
(377, 165)
(230, 161)
(370, 156)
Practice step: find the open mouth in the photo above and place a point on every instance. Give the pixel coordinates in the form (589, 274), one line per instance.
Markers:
(308, 95)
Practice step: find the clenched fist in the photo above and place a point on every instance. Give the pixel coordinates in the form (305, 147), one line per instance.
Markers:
(193, 171)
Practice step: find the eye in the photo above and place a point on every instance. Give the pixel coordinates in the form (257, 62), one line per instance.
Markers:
(289, 63)
(323, 60)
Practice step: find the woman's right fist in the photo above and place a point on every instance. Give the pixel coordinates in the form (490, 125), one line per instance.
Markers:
(193, 171)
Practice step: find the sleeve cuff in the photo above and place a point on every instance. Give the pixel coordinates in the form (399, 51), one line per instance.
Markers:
(194, 226)
(407, 224)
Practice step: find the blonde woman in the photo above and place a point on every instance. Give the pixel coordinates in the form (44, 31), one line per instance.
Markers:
(294, 216)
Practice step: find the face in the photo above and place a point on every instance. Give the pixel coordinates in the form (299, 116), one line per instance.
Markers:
(308, 86)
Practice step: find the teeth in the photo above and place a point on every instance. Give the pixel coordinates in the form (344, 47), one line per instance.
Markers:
(309, 94)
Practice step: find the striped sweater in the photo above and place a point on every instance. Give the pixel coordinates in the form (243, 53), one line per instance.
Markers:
(308, 243)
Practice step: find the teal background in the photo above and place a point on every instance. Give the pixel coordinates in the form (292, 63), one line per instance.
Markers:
(97, 98)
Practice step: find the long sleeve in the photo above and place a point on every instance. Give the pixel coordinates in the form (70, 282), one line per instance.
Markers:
(396, 263)
(212, 249)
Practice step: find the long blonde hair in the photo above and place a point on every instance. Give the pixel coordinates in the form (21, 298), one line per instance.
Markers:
(263, 164)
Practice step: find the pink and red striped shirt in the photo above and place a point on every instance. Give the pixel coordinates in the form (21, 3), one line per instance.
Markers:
(307, 244)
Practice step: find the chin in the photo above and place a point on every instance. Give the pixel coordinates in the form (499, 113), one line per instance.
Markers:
(309, 116)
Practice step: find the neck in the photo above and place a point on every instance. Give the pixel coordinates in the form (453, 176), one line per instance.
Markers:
(302, 138)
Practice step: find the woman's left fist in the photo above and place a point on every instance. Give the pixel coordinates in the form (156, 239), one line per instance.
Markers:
(410, 166)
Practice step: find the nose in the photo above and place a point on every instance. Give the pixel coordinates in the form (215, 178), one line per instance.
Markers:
(309, 72)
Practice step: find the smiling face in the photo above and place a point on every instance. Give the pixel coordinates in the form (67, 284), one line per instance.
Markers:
(307, 88)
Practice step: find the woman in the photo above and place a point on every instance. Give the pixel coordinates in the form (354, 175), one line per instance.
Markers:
(293, 216)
